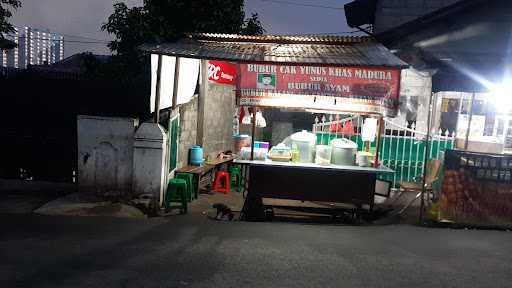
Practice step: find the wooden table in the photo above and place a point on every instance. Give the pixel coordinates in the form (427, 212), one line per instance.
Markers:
(203, 174)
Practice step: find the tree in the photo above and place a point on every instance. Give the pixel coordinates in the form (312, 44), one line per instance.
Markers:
(5, 26)
(252, 25)
(159, 21)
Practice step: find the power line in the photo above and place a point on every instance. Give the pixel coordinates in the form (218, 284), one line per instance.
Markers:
(303, 4)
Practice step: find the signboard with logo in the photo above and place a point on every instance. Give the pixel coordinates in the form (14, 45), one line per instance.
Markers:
(347, 89)
(222, 72)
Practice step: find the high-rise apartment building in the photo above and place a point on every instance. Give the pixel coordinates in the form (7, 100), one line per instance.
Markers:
(34, 47)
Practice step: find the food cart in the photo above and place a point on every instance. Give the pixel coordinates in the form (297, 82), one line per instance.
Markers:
(372, 92)
(309, 182)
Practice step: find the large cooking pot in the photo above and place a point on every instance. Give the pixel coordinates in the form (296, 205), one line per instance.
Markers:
(343, 152)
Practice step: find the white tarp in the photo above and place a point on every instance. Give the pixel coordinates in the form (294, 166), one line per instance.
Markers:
(188, 75)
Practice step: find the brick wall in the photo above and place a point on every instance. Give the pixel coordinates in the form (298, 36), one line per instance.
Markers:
(219, 107)
(188, 130)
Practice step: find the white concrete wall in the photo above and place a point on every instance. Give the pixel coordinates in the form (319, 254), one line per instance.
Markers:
(415, 90)
(415, 84)
(149, 160)
(105, 155)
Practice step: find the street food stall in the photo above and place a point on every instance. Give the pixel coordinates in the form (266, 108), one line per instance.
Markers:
(476, 189)
(312, 74)
(297, 168)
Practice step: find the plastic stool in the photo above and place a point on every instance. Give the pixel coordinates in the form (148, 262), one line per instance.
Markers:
(221, 183)
(176, 192)
(236, 177)
(190, 186)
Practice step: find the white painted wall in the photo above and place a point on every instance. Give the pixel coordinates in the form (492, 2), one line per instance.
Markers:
(418, 85)
(149, 160)
(105, 155)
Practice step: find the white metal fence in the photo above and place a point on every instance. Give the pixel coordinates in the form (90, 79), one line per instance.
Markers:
(402, 148)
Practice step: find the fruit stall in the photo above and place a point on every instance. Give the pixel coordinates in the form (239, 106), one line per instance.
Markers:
(477, 189)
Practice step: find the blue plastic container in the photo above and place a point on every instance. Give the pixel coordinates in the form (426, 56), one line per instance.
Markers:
(196, 156)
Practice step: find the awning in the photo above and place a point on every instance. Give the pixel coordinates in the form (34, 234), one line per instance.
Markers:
(326, 50)
(334, 73)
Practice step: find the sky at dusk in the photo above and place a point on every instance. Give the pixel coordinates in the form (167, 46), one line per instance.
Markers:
(84, 18)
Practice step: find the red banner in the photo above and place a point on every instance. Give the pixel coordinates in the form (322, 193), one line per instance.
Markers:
(348, 89)
(222, 72)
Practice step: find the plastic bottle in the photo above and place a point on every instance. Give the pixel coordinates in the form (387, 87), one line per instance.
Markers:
(295, 154)
(236, 125)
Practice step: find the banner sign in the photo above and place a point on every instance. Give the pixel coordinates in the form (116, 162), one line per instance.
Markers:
(348, 89)
(222, 72)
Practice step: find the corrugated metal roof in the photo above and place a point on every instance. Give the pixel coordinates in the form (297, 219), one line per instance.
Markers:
(281, 39)
(327, 50)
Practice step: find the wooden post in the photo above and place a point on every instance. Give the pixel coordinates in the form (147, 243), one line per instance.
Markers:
(176, 79)
(157, 92)
(253, 131)
(377, 146)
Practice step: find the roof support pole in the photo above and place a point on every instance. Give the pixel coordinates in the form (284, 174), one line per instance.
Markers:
(425, 158)
(176, 80)
(380, 127)
(203, 90)
(157, 94)
(466, 142)
(253, 132)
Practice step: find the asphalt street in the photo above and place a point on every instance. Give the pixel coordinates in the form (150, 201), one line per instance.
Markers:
(192, 251)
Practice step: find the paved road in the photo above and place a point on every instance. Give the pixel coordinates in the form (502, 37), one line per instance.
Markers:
(191, 251)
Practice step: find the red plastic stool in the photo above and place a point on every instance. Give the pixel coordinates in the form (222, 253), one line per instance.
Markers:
(221, 183)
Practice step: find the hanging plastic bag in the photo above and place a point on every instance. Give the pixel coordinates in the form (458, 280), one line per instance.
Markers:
(260, 121)
(246, 118)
